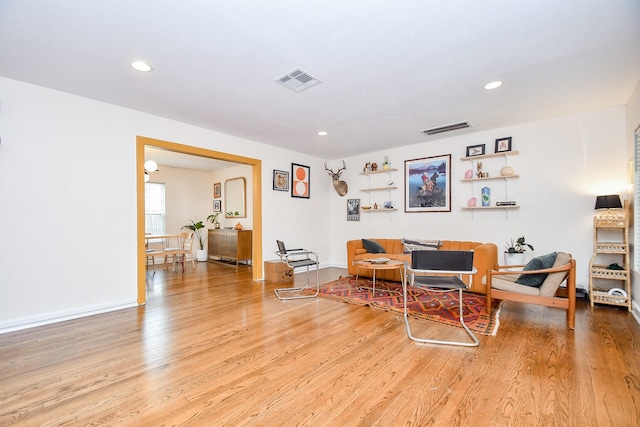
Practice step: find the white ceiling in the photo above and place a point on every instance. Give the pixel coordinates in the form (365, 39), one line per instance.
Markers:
(387, 69)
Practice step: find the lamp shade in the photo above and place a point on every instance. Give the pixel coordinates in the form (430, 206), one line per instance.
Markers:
(611, 201)
(150, 166)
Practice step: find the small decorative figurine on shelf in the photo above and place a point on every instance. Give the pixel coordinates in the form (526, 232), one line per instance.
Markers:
(479, 170)
(374, 167)
(367, 167)
(386, 165)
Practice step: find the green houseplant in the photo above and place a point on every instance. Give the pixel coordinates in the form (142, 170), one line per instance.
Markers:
(213, 218)
(514, 251)
(198, 229)
(517, 247)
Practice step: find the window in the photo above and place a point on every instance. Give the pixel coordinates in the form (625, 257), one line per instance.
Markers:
(636, 201)
(154, 208)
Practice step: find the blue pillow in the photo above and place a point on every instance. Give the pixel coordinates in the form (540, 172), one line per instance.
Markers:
(537, 263)
(373, 247)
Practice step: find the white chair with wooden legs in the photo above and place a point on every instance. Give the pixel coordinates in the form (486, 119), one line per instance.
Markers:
(150, 254)
(502, 285)
(297, 258)
(180, 252)
(440, 271)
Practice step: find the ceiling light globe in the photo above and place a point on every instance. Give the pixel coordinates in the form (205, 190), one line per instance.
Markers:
(493, 85)
(141, 66)
(323, 133)
(150, 166)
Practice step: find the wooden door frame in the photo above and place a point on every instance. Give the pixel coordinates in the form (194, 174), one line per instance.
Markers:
(256, 173)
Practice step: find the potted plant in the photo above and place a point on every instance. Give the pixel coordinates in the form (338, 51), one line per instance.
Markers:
(514, 251)
(213, 218)
(198, 228)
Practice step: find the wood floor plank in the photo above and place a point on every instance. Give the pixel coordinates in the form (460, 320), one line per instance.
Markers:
(213, 347)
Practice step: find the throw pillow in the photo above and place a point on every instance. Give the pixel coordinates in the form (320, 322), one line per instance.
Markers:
(373, 247)
(420, 245)
(537, 263)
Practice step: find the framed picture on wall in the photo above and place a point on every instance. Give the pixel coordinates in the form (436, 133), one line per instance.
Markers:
(217, 190)
(353, 209)
(300, 181)
(475, 150)
(217, 205)
(427, 183)
(503, 144)
(280, 180)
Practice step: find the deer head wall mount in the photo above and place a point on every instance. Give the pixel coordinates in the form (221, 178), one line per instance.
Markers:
(340, 186)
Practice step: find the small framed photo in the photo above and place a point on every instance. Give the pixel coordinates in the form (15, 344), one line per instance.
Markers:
(217, 190)
(475, 150)
(503, 144)
(217, 205)
(353, 209)
(280, 180)
(300, 181)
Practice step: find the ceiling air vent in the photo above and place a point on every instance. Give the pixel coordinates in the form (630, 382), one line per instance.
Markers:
(446, 128)
(298, 80)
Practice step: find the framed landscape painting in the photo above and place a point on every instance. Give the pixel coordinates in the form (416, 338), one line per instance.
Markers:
(427, 183)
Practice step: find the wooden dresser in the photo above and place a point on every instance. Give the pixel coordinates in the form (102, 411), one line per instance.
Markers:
(231, 245)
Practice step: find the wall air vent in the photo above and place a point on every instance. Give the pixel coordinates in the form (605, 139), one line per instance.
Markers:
(298, 80)
(446, 128)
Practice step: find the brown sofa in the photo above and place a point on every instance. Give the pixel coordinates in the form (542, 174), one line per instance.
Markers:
(485, 258)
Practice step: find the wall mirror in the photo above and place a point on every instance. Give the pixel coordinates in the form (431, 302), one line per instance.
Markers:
(235, 199)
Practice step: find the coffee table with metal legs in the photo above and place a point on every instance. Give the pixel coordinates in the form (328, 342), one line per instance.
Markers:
(375, 266)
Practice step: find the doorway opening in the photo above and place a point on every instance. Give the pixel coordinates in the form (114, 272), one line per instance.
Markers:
(256, 173)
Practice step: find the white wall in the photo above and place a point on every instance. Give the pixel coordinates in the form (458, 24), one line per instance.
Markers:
(563, 164)
(230, 173)
(68, 186)
(68, 189)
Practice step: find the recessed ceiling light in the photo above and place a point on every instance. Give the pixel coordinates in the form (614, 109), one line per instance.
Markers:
(141, 66)
(323, 133)
(493, 85)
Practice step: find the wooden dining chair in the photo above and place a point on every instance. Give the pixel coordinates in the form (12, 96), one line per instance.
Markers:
(180, 252)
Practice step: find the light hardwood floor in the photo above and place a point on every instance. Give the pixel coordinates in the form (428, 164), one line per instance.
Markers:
(214, 348)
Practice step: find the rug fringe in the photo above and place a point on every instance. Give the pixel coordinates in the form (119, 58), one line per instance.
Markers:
(494, 331)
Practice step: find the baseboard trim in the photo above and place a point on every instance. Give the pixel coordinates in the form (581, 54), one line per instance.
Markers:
(635, 311)
(47, 319)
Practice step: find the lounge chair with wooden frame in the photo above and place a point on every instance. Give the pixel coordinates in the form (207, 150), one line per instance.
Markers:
(502, 285)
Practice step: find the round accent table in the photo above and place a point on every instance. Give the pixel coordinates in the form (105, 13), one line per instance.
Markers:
(375, 264)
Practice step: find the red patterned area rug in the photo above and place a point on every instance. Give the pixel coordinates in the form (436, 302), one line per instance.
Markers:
(421, 303)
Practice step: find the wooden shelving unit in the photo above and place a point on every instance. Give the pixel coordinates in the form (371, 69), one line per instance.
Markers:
(600, 291)
(494, 178)
(369, 190)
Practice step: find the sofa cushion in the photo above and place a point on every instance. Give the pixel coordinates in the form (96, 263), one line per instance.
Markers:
(420, 245)
(373, 247)
(537, 263)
